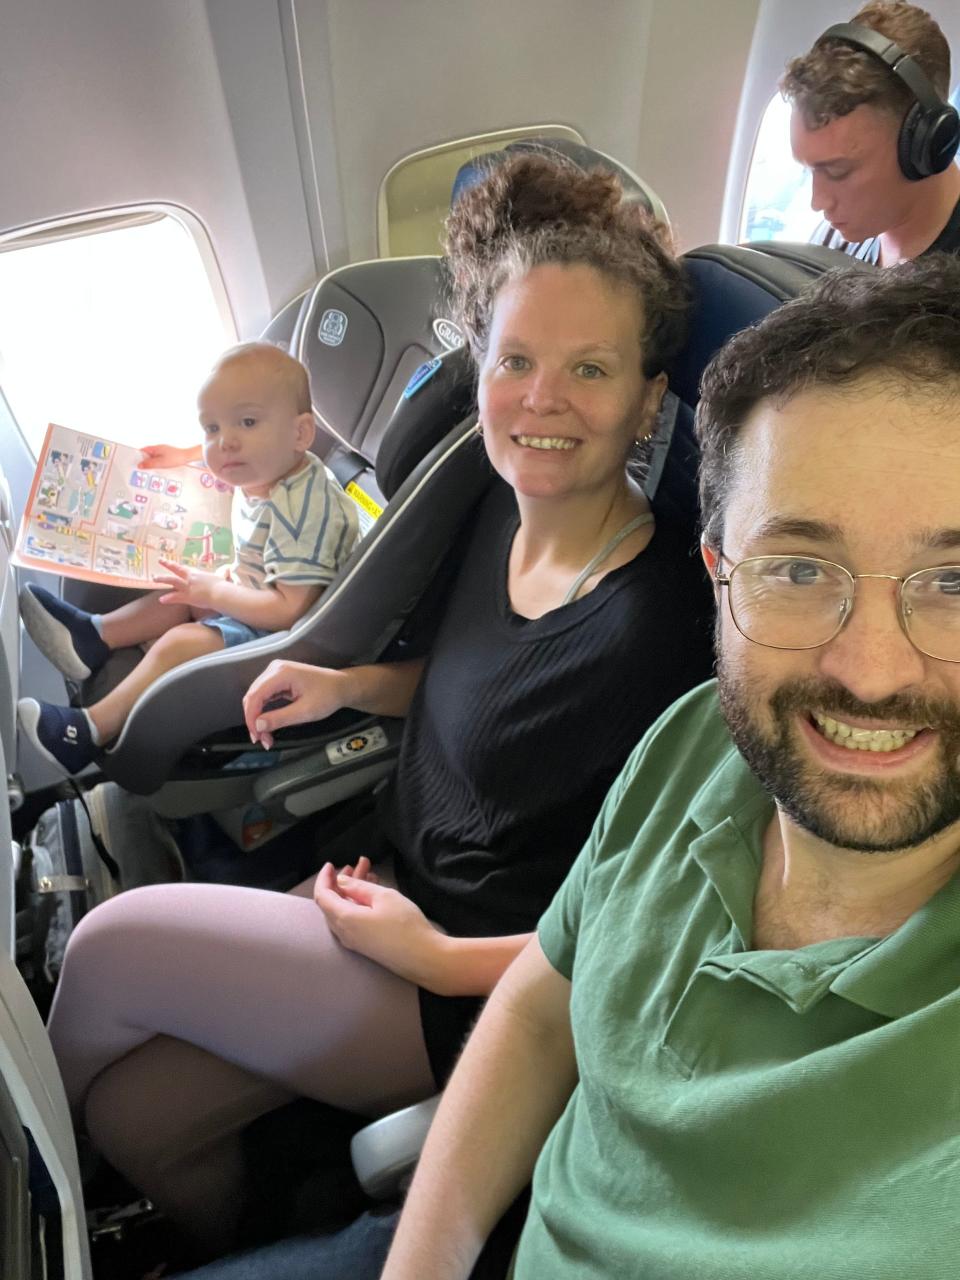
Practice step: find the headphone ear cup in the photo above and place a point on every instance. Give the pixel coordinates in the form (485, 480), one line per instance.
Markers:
(942, 140)
(910, 149)
(928, 141)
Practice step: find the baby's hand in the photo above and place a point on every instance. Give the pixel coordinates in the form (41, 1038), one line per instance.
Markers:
(156, 456)
(189, 586)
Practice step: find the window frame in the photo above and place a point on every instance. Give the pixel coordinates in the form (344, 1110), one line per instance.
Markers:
(744, 205)
(94, 221)
(114, 218)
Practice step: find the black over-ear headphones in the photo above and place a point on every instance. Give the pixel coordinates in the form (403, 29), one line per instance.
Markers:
(930, 133)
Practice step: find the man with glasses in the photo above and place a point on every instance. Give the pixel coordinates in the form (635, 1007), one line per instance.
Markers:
(733, 1050)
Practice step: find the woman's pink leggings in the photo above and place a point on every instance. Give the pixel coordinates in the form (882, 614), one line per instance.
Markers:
(185, 1011)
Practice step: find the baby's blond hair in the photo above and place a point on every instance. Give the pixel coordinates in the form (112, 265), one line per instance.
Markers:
(277, 364)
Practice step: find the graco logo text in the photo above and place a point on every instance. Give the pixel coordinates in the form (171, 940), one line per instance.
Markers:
(448, 333)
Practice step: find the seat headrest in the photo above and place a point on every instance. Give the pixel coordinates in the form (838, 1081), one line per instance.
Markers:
(733, 287)
(575, 153)
(440, 394)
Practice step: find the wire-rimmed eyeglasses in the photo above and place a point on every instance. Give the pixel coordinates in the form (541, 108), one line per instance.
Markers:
(802, 602)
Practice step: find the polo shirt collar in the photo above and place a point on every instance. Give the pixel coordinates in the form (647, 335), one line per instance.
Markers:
(732, 810)
(913, 967)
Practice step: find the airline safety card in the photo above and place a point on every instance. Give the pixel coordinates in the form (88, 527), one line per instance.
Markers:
(93, 513)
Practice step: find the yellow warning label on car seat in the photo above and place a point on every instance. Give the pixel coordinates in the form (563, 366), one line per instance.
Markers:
(369, 510)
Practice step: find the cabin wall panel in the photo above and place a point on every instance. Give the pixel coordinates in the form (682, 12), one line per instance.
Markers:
(695, 66)
(655, 83)
(110, 103)
(412, 75)
(249, 48)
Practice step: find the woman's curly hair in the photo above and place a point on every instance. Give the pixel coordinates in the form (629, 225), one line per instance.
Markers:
(531, 210)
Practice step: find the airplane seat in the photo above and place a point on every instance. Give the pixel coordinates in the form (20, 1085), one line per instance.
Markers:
(812, 258)
(635, 190)
(733, 287)
(9, 627)
(368, 333)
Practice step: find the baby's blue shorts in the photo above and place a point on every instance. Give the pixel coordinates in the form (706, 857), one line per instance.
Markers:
(233, 632)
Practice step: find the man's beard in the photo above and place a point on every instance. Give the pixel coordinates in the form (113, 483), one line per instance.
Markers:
(870, 815)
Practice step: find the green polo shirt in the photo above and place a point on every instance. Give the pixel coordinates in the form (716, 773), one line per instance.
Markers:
(740, 1115)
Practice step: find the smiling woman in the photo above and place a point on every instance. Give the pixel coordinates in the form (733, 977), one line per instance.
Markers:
(568, 320)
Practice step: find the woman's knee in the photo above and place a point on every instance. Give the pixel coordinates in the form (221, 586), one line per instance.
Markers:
(109, 943)
(100, 935)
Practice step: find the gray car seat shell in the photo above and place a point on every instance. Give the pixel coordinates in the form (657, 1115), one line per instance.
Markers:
(394, 418)
(283, 329)
(364, 332)
(352, 623)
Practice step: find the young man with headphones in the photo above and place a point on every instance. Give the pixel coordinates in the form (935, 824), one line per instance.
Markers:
(871, 122)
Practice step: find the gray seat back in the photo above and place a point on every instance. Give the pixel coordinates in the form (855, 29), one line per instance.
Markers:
(733, 287)
(363, 332)
(635, 190)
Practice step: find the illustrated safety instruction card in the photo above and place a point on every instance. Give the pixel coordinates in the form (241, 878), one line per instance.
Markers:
(94, 513)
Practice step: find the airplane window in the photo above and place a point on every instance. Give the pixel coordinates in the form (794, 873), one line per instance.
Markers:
(415, 194)
(109, 325)
(776, 204)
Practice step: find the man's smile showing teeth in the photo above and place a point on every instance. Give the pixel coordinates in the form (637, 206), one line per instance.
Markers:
(546, 442)
(854, 739)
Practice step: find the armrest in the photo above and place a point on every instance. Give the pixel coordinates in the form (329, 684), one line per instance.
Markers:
(385, 1153)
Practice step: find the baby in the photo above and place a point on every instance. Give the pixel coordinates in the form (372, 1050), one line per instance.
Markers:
(293, 527)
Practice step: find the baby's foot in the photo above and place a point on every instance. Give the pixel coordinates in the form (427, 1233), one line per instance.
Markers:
(62, 735)
(63, 633)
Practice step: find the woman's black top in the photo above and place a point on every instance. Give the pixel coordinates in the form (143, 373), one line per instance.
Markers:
(519, 727)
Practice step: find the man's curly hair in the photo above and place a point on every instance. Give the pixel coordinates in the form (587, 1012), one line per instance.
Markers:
(531, 210)
(835, 78)
(901, 324)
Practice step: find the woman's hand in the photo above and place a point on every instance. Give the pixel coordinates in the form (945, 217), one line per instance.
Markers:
(189, 586)
(362, 871)
(160, 456)
(380, 923)
(311, 693)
